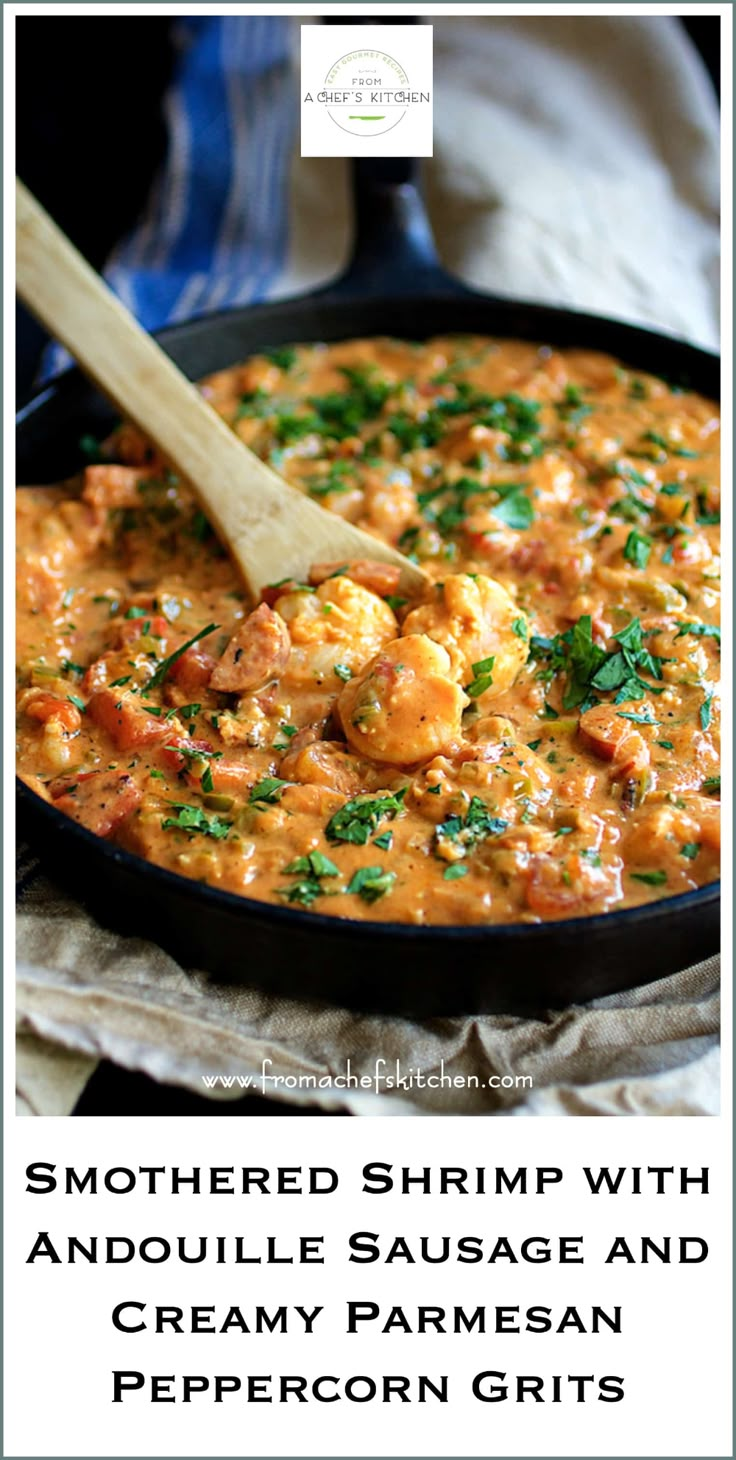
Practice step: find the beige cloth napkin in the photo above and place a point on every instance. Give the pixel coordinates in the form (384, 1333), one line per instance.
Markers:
(576, 160)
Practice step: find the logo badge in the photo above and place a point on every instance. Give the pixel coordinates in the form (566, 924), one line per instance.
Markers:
(366, 91)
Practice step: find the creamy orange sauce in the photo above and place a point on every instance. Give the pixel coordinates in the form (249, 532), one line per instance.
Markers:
(536, 738)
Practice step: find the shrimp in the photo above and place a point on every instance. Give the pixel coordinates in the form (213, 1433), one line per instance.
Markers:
(405, 707)
(475, 620)
(328, 763)
(341, 624)
(61, 722)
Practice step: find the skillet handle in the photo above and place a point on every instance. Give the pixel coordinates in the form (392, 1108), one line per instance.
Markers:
(393, 247)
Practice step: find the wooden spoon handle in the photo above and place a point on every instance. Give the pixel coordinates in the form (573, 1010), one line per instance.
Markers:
(272, 530)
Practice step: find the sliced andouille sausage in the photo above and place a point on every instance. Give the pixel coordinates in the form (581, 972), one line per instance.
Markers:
(99, 800)
(126, 721)
(604, 732)
(258, 651)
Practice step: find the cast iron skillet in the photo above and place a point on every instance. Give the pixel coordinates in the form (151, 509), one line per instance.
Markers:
(394, 285)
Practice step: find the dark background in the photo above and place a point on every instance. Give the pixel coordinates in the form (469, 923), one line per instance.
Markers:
(90, 133)
(90, 139)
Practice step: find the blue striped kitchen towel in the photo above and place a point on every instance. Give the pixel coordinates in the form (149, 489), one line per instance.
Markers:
(214, 232)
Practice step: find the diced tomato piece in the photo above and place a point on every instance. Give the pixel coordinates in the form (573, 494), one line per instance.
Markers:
(193, 671)
(130, 629)
(173, 759)
(100, 800)
(127, 723)
(61, 784)
(231, 778)
(257, 652)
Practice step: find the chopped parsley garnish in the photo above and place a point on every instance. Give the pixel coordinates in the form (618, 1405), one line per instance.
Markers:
(690, 850)
(335, 480)
(534, 744)
(92, 450)
(711, 786)
(638, 548)
(294, 587)
(385, 841)
(520, 628)
(255, 403)
(168, 663)
(283, 356)
(638, 719)
(340, 414)
(665, 744)
(370, 883)
(701, 631)
(512, 415)
(518, 418)
(75, 700)
(268, 792)
(135, 612)
(589, 667)
(112, 603)
(343, 672)
(394, 601)
(514, 509)
(288, 731)
(671, 448)
(446, 505)
(482, 677)
(200, 528)
(456, 869)
(70, 668)
(193, 819)
(355, 821)
(465, 831)
(706, 715)
(309, 870)
(118, 683)
(190, 752)
(652, 879)
(316, 863)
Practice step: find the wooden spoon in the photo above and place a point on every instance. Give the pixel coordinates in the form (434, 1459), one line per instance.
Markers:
(272, 530)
